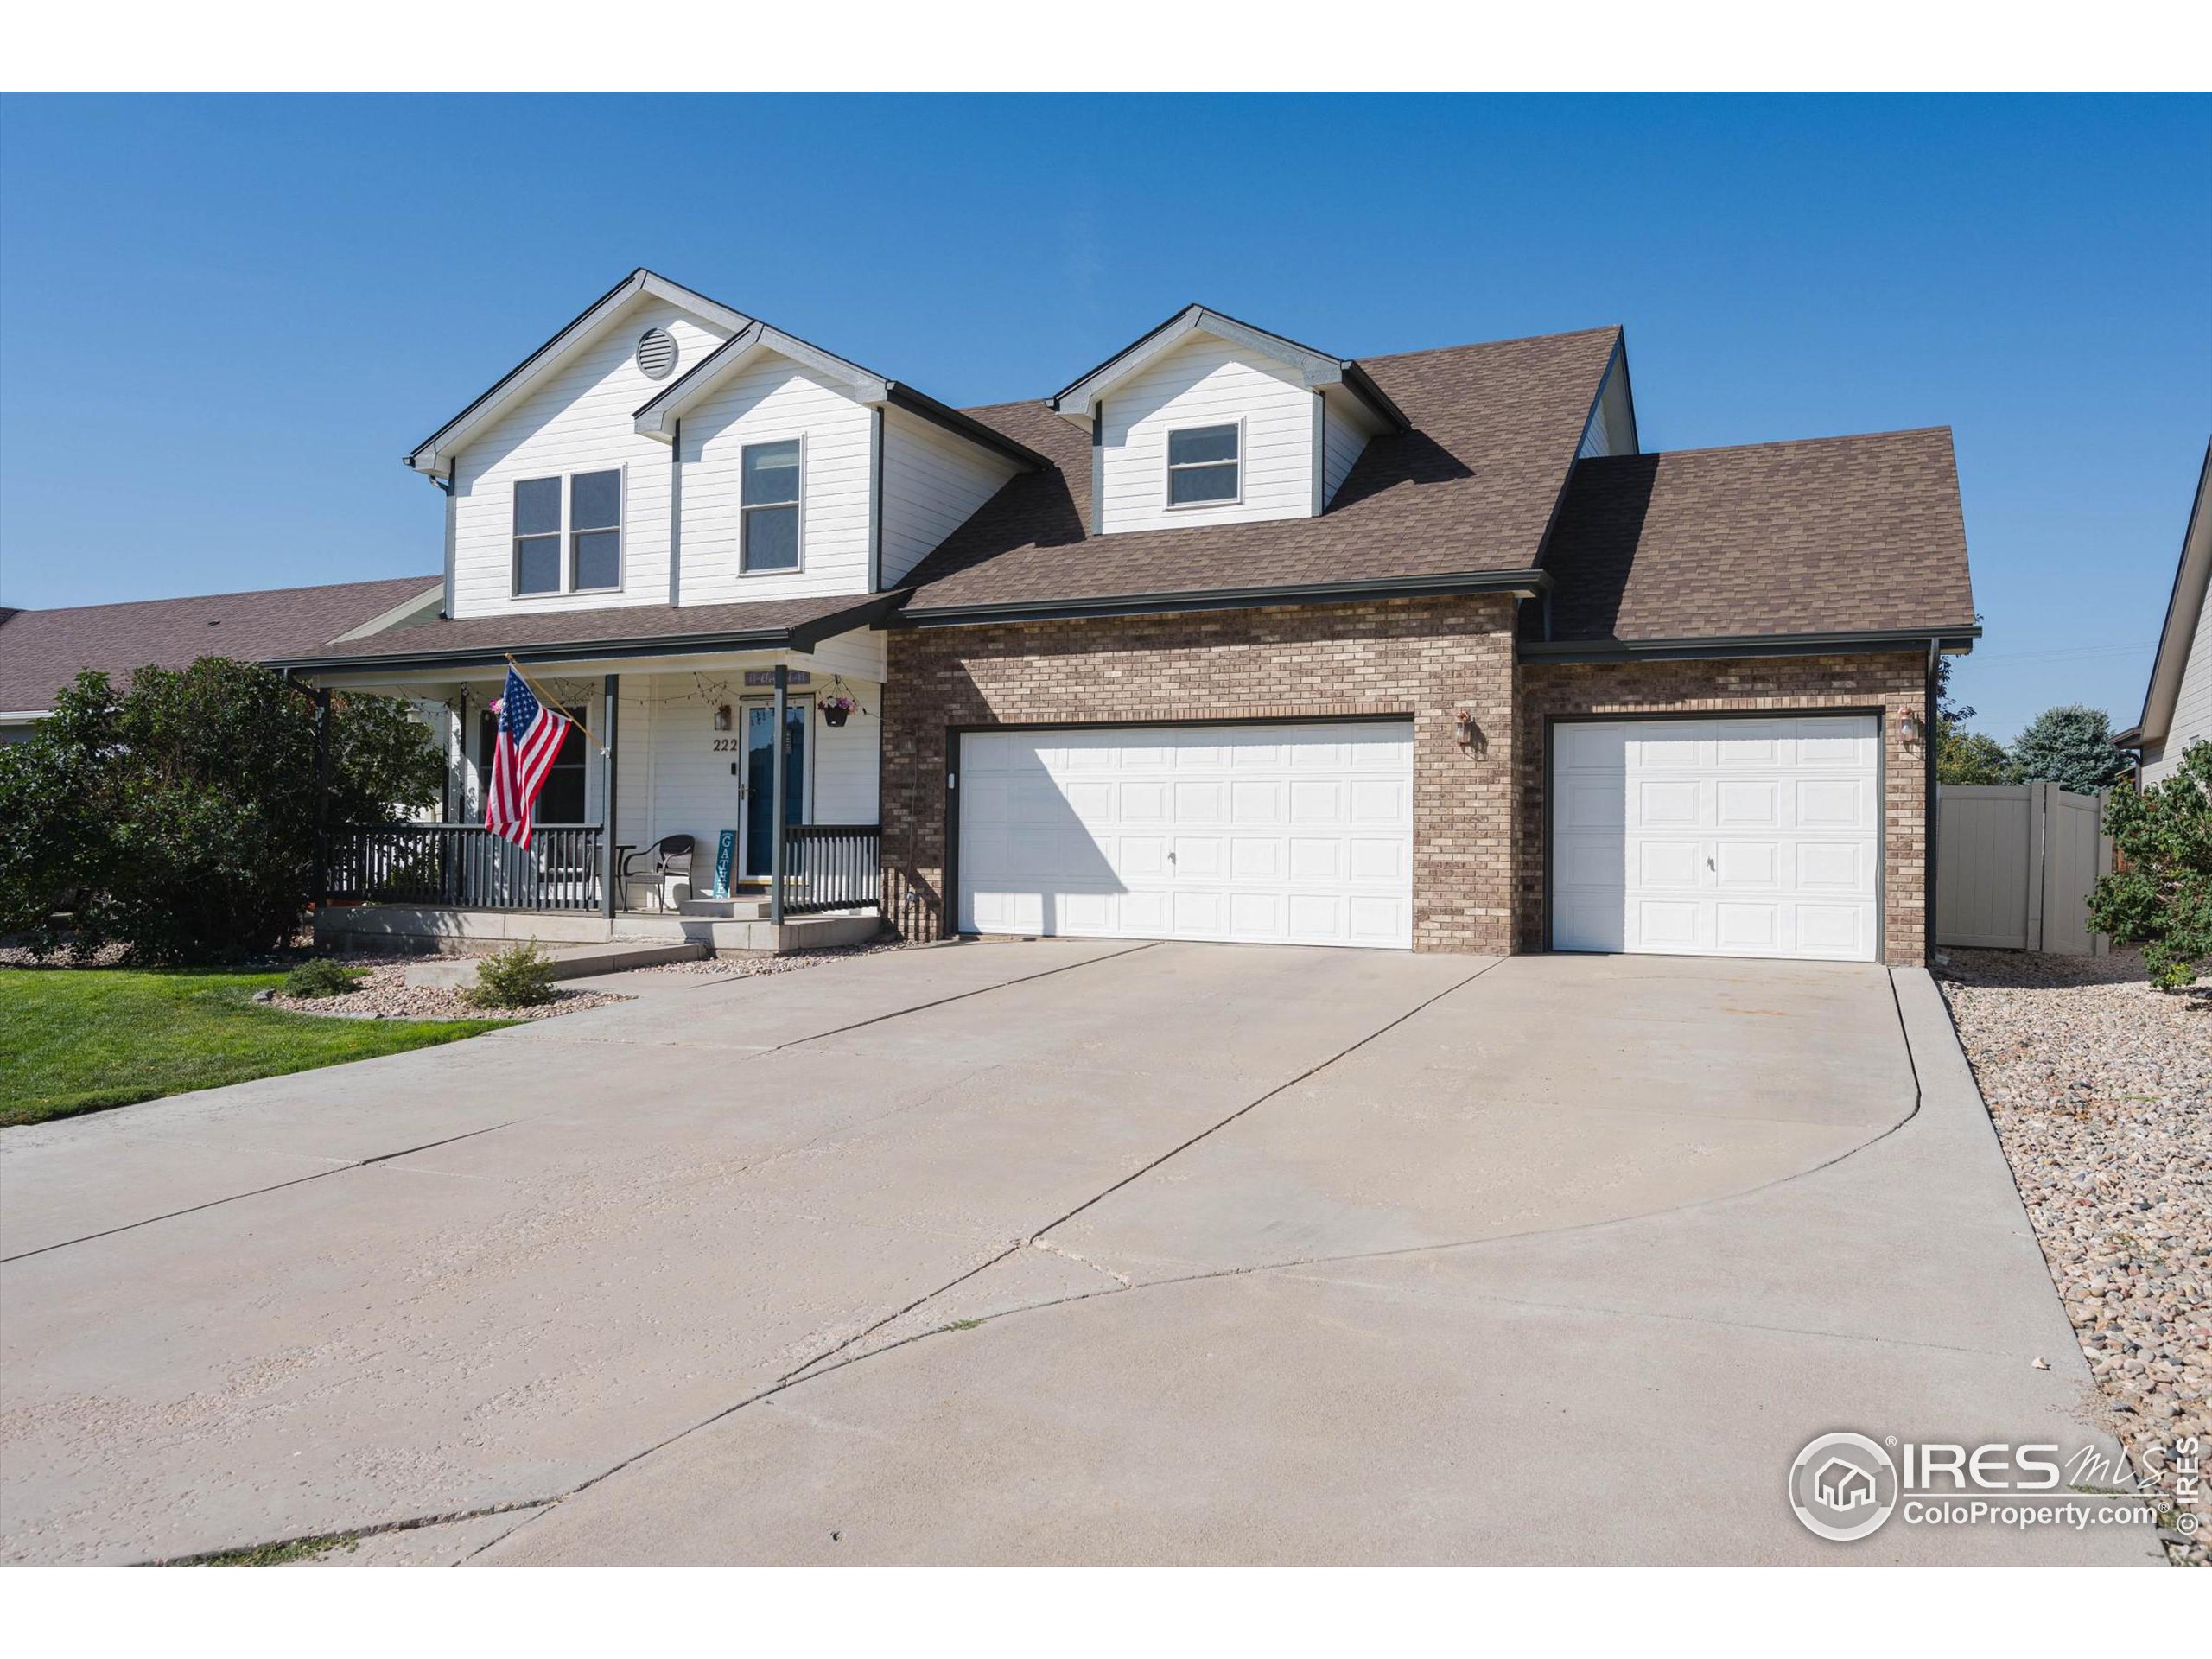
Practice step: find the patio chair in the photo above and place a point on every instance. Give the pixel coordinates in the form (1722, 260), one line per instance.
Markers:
(669, 856)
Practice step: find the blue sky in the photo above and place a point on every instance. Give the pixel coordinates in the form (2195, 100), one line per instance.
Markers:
(223, 319)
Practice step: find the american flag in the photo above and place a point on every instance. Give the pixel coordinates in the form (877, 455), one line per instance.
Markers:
(530, 737)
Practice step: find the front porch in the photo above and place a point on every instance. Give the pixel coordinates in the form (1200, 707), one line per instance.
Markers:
(726, 798)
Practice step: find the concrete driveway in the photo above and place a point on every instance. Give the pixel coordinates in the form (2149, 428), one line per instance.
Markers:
(1044, 1252)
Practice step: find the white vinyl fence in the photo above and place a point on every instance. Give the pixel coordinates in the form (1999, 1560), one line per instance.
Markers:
(2014, 865)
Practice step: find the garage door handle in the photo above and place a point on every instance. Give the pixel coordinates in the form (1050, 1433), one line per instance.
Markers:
(1710, 865)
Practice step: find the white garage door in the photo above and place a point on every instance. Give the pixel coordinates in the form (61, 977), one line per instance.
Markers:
(1285, 835)
(1718, 837)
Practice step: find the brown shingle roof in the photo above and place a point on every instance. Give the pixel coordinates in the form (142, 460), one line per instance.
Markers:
(1820, 535)
(1472, 487)
(41, 652)
(480, 638)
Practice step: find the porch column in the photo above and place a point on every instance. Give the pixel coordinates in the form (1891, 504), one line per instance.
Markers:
(609, 867)
(321, 880)
(776, 766)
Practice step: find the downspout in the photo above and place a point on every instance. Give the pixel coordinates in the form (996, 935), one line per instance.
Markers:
(1929, 811)
(676, 516)
(876, 500)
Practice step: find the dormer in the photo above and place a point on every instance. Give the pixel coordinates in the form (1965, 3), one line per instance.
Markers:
(1209, 421)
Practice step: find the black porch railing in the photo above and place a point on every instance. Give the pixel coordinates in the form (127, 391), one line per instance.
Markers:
(830, 866)
(464, 865)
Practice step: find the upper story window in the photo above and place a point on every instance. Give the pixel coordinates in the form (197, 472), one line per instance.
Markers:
(578, 553)
(768, 536)
(1203, 465)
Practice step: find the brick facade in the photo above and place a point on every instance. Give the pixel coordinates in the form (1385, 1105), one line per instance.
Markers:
(1418, 658)
(1479, 812)
(1748, 686)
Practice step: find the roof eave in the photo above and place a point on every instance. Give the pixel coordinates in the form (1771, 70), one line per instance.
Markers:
(1954, 640)
(2185, 602)
(1523, 583)
(803, 635)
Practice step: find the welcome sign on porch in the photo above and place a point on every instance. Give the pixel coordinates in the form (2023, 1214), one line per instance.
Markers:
(725, 855)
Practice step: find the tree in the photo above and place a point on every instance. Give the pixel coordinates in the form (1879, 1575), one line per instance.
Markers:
(1963, 757)
(179, 818)
(2163, 899)
(2070, 747)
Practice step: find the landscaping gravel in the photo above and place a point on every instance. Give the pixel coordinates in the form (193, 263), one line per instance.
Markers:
(385, 993)
(2100, 1088)
(747, 966)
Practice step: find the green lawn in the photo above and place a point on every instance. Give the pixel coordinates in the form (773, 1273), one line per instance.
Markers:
(74, 1040)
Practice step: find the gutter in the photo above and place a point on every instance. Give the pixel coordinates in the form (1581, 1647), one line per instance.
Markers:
(899, 395)
(1526, 583)
(1953, 641)
(796, 636)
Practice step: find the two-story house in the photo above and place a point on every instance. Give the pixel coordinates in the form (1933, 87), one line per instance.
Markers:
(1228, 639)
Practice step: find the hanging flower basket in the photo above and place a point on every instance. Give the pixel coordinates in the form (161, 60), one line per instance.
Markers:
(835, 711)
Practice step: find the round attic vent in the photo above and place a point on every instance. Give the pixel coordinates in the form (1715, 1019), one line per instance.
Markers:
(656, 353)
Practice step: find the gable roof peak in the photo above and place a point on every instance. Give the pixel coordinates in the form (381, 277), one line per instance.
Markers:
(434, 456)
(1318, 370)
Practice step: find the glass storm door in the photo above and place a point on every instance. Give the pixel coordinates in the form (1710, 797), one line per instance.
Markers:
(759, 782)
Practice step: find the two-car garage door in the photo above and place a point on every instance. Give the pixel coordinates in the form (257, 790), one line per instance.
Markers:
(1718, 837)
(1257, 833)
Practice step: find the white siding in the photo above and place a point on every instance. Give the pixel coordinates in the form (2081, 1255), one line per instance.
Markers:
(674, 781)
(2192, 704)
(1611, 430)
(772, 399)
(933, 483)
(580, 421)
(1347, 428)
(1204, 382)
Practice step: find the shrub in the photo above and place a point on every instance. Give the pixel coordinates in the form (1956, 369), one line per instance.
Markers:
(320, 976)
(2163, 899)
(520, 976)
(1964, 757)
(178, 818)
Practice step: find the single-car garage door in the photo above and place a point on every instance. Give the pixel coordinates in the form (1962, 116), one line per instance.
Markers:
(1274, 834)
(1718, 837)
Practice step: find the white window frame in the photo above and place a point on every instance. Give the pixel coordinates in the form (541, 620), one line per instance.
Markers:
(744, 522)
(1169, 468)
(516, 539)
(567, 533)
(620, 527)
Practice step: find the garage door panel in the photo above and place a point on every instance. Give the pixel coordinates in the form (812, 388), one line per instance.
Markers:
(1666, 803)
(1754, 837)
(1304, 833)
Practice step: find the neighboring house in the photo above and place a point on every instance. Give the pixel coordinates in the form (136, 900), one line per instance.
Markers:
(43, 652)
(2177, 705)
(1230, 639)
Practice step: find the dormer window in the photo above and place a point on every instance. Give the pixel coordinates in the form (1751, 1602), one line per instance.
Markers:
(1203, 465)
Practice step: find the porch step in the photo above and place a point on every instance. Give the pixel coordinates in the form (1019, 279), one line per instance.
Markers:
(756, 934)
(725, 910)
(569, 961)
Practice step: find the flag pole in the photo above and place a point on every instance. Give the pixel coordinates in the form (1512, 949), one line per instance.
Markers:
(553, 704)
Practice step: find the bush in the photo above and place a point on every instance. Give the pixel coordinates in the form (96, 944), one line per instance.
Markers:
(2163, 899)
(178, 818)
(520, 976)
(320, 976)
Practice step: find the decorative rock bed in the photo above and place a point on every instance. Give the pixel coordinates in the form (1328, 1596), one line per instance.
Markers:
(2100, 1088)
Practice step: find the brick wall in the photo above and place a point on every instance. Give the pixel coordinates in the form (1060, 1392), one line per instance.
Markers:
(1890, 682)
(1417, 658)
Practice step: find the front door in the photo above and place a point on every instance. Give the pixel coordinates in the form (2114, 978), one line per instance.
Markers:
(757, 853)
